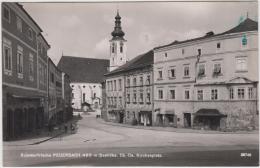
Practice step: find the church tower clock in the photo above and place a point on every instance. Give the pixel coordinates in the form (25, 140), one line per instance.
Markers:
(117, 45)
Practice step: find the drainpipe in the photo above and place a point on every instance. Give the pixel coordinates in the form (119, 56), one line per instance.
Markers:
(195, 81)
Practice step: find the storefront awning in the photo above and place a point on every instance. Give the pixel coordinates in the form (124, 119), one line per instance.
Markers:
(209, 113)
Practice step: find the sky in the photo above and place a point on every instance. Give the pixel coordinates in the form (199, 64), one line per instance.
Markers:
(84, 29)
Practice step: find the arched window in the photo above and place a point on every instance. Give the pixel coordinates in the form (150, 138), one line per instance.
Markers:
(113, 47)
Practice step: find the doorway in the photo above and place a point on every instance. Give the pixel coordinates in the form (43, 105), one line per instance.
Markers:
(187, 120)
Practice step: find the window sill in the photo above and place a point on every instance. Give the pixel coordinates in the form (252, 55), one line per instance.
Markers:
(186, 77)
(7, 72)
(141, 102)
(160, 79)
(217, 75)
(148, 103)
(20, 75)
(241, 71)
(172, 77)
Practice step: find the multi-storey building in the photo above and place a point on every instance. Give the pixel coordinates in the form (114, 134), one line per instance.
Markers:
(86, 76)
(24, 72)
(208, 82)
(139, 89)
(115, 93)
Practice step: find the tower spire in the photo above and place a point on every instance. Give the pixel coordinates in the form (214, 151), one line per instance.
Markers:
(118, 33)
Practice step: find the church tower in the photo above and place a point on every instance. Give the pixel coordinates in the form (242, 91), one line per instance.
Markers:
(117, 45)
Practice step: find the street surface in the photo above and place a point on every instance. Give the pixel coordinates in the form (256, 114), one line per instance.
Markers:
(100, 144)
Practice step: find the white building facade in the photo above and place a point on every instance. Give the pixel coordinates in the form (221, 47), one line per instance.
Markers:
(209, 82)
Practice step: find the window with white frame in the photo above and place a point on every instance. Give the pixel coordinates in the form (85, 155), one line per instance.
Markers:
(217, 69)
(186, 71)
(231, 93)
(214, 94)
(31, 67)
(148, 97)
(141, 98)
(240, 93)
(6, 13)
(160, 94)
(120, 84)
(19, 24)
(115, 85)
(187, 94)
(134, 82)
(7, 54)
(141, 80)
(20, 61)
(200, 94)
(128, 98)
(172, 94)
(201, 70)
(134, 98)
(148, 80)
(171, 73)
(250, 93)
(30, 34)
(241, 63)
(160, 76)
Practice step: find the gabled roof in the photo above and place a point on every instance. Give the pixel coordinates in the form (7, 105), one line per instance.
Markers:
(85, 70)
(246, 25)
(239, 80)
(140, 61)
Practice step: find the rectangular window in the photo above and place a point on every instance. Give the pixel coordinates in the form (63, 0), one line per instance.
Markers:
(148, 80)
(201, 71)
(200, 94)
(172, 94)
(187, 94)
(31, 67)
(114, 85)
(217, 69)
(6, 13)
(7, 54)
(160, 94)
(128, 82)
(171, 73)
(214, 94)
(52, 77)
(160, 76)
(241, 64)
(20, 62)
(30, 34)
(218, 45)
(141, 81)
(231, 93)
(120, 84)
(19, 24)
(84, 96)
(134, 98)
(250, 93)
(182, 51)
(199, 51)
(141, 98)
(128, 98)
(148, 98)
(120, 101)
(186, 71)
(134, 82)
(241, 93)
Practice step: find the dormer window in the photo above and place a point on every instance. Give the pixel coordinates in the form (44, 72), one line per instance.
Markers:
(244, 40)
(199, 51)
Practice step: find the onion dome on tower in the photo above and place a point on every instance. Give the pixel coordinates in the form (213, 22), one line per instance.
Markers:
(118, 33)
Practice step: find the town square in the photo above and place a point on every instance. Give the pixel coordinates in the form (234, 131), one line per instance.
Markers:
(130, 84)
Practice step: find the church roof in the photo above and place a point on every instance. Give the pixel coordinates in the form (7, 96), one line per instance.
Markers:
(246, 25)
(138, 62)
(85, 70)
